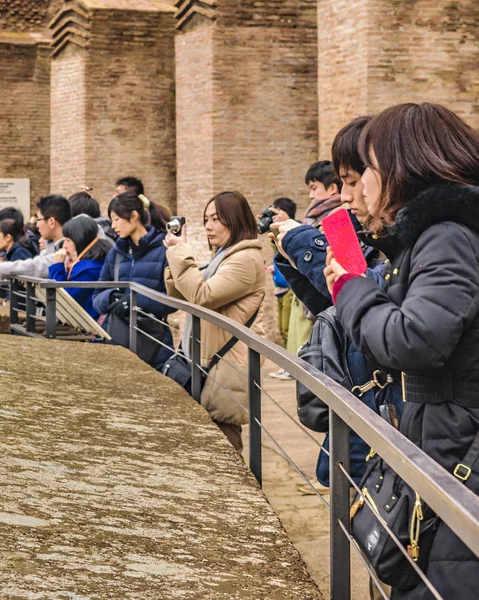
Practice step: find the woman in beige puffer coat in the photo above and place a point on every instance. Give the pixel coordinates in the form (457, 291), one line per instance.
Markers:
(233, 284)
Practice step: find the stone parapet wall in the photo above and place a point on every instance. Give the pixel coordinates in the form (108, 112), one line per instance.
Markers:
(117, 484)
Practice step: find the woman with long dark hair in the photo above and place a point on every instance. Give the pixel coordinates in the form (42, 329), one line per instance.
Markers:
(13, 241)
(80, 259)
(421, 187)
(233, 284)
(138, 256)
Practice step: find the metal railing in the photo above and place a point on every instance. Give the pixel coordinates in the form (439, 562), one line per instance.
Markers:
(456, 505)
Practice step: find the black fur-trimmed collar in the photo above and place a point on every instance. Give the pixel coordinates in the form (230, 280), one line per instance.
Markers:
(440, 202)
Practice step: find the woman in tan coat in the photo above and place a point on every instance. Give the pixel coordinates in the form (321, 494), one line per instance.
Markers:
(232, 284)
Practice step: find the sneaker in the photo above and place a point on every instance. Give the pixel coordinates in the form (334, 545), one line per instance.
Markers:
(305, 489)
(280, 374)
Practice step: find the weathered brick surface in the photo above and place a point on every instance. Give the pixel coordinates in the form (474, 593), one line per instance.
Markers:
(68, 164)
(25, 112)
(27, 15)
(246, 107)
(374, 53)
(125, 104)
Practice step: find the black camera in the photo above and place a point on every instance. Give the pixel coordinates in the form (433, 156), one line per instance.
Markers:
(175, 224)
(265, 220)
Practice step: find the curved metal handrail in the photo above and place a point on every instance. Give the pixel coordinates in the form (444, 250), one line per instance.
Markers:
(453, 502)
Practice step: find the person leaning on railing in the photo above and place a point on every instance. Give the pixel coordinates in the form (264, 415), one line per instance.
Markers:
(421, 187)
(138, 256)
(81, 259)
(232, 284)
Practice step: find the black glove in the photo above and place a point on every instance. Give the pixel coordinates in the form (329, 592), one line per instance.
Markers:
(121, 308)
(114, 298)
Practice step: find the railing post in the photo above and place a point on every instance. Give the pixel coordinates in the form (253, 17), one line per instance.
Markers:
(13, 302)
(255, 450)
(133, 322)
(340, 566)
(196, 358)
(30, 307)
(51, 313)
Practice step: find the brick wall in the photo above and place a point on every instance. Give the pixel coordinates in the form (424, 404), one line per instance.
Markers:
(194, 126)
(25, 113)
(27, 15)
(246, 109)
(128, 120)
(68, 99)
(374, 53)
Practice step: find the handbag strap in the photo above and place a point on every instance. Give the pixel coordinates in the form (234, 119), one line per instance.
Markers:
(232, 342)
(116, 272)
(463, 469)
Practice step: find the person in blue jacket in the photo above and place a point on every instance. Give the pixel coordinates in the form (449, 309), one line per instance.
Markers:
(12, 241)
(29, 239)
(80, 259)
(138, 256)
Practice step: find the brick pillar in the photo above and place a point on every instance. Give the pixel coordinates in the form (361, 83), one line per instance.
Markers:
(25, 110)
(113, 97)
(375, 53)
(246, 102)
(246, 79)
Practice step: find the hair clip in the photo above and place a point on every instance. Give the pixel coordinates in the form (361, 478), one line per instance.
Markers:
(144, 201)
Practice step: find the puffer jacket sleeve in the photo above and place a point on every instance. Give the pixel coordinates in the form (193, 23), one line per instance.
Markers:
(154, 307)
(101, 298)
(231, 281)
(314, 301)
(440, 303)
(306, 246)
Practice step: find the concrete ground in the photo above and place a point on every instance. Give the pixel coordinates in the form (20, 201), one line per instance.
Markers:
(304, 517)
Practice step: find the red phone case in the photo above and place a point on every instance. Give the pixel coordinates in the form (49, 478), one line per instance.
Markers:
(344, 242)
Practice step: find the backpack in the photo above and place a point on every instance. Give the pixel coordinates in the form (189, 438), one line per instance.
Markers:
(326, 350)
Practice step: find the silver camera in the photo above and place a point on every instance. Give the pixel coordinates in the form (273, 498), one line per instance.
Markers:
(175, 224)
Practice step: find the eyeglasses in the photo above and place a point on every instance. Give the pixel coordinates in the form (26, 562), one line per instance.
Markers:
(37, 219)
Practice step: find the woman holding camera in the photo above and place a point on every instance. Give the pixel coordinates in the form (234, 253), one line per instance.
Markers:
(421, 187)
(138, 256)
(80, 259)
(232, 284)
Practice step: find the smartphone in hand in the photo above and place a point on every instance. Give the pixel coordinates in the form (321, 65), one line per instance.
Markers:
(343, 241)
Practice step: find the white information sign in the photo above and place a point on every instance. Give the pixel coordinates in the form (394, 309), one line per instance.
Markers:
(16, 193)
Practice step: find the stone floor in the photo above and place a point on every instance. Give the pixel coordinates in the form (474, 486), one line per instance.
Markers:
(304, 517)
(116, 485)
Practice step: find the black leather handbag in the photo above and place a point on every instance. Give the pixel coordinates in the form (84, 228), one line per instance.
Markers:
(395, 503)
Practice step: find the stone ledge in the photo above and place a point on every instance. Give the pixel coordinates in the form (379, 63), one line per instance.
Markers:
(116, 484)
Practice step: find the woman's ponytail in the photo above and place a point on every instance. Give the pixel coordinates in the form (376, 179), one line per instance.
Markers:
(149, 212)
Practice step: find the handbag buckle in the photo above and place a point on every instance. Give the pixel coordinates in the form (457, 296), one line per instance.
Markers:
(462, 472)
(359, 390)
(377, 381)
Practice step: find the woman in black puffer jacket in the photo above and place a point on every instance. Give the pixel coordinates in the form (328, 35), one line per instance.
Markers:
(421, 188)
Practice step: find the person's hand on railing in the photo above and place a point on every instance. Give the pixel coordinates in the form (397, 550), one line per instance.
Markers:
(171, 239)
(121, 308)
